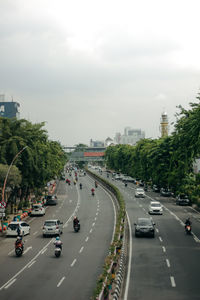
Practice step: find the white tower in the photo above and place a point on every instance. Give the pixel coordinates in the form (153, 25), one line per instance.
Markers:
(164, 125)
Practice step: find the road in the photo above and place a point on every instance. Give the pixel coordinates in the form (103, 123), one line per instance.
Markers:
(38, 274)
(167, 266)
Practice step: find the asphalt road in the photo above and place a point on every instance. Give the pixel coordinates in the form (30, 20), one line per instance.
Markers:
(38, 274)
(167, 266)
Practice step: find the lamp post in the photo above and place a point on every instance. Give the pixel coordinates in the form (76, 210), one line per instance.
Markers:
(5, 181)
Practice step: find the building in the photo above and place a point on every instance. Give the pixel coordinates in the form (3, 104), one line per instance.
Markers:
(164, 125)
(9, 109)
(96, 143)
(131, 136)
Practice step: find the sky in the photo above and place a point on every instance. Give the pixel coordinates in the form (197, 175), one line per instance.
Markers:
(91, 68)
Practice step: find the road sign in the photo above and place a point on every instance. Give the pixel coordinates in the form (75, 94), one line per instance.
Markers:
(2, 215)
(2, 209)
(3, 204)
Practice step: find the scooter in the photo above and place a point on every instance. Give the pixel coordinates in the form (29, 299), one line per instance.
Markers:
(19, 250)
(92, 193)
(76, 227)
(80, 186)
(58, 251)
(188, 229)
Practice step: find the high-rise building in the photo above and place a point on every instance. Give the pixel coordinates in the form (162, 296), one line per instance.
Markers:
(8, 109)
(131, 136)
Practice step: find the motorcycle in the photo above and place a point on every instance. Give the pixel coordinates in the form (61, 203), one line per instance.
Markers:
(80, 186)
(76, 227)
(92, 193)
(96, 185)
(58, 251)
(125, 184)
(19, 250)
(188, 229)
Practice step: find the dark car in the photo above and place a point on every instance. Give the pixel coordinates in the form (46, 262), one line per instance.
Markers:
(144, 227)
(182, 199)
(51, 200)
(165, 192)
(156, 188)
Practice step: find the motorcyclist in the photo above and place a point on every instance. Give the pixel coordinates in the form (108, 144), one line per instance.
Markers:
(75, 182)
(58, 243)
(188, 222)
(96, 184)
(76, 222)
(92, 191)
(19, 243)
(80, 186)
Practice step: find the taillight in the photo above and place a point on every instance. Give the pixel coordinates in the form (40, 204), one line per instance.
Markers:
(57, 226)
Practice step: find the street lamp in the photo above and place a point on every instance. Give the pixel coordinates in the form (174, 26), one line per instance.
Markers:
(5, 181)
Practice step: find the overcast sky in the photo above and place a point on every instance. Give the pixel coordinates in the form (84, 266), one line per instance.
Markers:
(90, 68)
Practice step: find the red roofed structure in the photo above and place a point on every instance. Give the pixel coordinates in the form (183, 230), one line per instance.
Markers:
(94, 154)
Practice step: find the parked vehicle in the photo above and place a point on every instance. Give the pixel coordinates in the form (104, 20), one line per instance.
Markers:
(144, 227)
(51, 200)
(139, 193)
(155, 207)
(52, 227)
(37, 210)
(156, 188)
(182, 199)
(12, 229)
(165, 192)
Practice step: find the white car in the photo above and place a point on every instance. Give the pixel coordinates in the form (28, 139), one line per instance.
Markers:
(37, 210)
(139, 193)
(12, 228)
(155, 208)
(52, 227)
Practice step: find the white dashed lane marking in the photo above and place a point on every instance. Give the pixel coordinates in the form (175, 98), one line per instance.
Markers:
(73, 263)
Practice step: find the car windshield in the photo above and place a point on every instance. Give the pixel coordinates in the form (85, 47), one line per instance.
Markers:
(37, 206)
(13, 226)
(140, 190)
(144, 222)
(50, 223)
(155, 205)
(183, 196)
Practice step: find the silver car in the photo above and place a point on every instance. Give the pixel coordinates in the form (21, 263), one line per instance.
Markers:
(139, 193)
(52, 227)
(155, 208)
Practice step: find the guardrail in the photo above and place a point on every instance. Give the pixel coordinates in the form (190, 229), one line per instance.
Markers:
(110, 282)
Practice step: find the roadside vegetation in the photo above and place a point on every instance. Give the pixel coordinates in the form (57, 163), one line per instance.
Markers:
(41, 161)
(166, 162)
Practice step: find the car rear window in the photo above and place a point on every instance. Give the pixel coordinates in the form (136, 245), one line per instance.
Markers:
(155, 205)
(13, 226)
(50, 223)
(144, 222)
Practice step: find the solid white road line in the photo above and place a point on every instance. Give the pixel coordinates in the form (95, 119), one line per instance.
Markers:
(35, 233)
(11, 252)
(61, 281)
(168, 263)
(130, 258)
(42, 252)
(172, 281)
(73, 263)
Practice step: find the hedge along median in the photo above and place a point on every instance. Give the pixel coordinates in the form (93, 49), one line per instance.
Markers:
(107, 277)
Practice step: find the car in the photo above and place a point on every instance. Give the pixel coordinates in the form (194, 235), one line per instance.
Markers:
(37, 210)
(52, 227)
(155, 207)
(139, 193)
(144, 227)
(165, 192)
(51, 200)
(156, 188)
(182, 199)
(13, 226)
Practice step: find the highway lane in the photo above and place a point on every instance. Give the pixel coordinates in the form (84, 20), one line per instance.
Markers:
(165, 267)
(73, 276)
